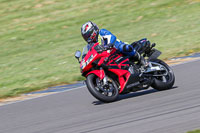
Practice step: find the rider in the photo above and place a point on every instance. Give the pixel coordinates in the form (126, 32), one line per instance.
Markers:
(92, 35)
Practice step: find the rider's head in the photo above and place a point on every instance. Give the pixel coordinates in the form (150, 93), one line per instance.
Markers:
(90, 32)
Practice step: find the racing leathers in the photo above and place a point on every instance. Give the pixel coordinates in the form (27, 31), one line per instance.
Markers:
(107, 39)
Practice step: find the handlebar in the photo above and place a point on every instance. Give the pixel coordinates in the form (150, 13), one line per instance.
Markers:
(100, 48)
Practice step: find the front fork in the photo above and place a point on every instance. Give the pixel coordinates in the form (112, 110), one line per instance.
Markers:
(105, 79)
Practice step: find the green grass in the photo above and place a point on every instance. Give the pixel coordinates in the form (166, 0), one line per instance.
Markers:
(195, 131)
(38, 38)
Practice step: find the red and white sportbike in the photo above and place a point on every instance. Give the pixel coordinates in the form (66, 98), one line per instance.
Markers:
(109, 73)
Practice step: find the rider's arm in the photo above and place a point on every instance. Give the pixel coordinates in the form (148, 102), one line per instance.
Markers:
(125, 48)
(107, 37)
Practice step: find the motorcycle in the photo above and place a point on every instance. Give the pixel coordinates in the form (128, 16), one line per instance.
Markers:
(110, 73)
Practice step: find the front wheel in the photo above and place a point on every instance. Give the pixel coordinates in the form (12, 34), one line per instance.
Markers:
(105, 93)
(163, 80)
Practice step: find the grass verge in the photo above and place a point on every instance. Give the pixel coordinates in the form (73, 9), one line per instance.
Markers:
(38, 38)
(195, 131)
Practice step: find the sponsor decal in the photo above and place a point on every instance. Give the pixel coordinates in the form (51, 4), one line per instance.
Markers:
(119, 59)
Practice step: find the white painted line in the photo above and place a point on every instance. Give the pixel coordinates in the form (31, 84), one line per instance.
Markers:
(40, 96)
(185, 62)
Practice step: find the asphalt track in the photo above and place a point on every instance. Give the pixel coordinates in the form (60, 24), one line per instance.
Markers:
(76, 111)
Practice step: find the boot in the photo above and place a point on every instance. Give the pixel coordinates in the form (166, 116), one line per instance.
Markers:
(140, 60)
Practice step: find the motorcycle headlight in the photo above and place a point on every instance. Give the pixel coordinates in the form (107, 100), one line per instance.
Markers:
(85, 63)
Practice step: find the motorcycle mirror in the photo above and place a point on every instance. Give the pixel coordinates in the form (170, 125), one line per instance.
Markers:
(77, 55)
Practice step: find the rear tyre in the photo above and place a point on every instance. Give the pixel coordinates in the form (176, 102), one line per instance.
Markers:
(100, 92)
(163, 82)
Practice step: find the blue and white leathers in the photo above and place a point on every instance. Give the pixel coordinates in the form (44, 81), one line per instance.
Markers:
(106, 37)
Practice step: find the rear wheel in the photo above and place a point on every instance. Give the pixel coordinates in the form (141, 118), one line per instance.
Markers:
(104, 93)
(164, 79)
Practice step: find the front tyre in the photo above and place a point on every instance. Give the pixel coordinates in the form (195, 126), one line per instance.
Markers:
(108, 93)
(163, 81)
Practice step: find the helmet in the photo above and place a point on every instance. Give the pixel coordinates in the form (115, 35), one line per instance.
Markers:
(90, 32)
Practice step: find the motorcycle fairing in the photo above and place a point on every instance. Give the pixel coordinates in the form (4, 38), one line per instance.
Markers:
(98, 73)
(117, 64)
(86, 62)
(123, 76)
(118, 61)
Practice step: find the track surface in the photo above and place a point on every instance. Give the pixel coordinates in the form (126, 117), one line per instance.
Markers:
(173, 111)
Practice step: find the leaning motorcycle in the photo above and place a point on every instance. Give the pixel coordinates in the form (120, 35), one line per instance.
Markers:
(109, 73)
